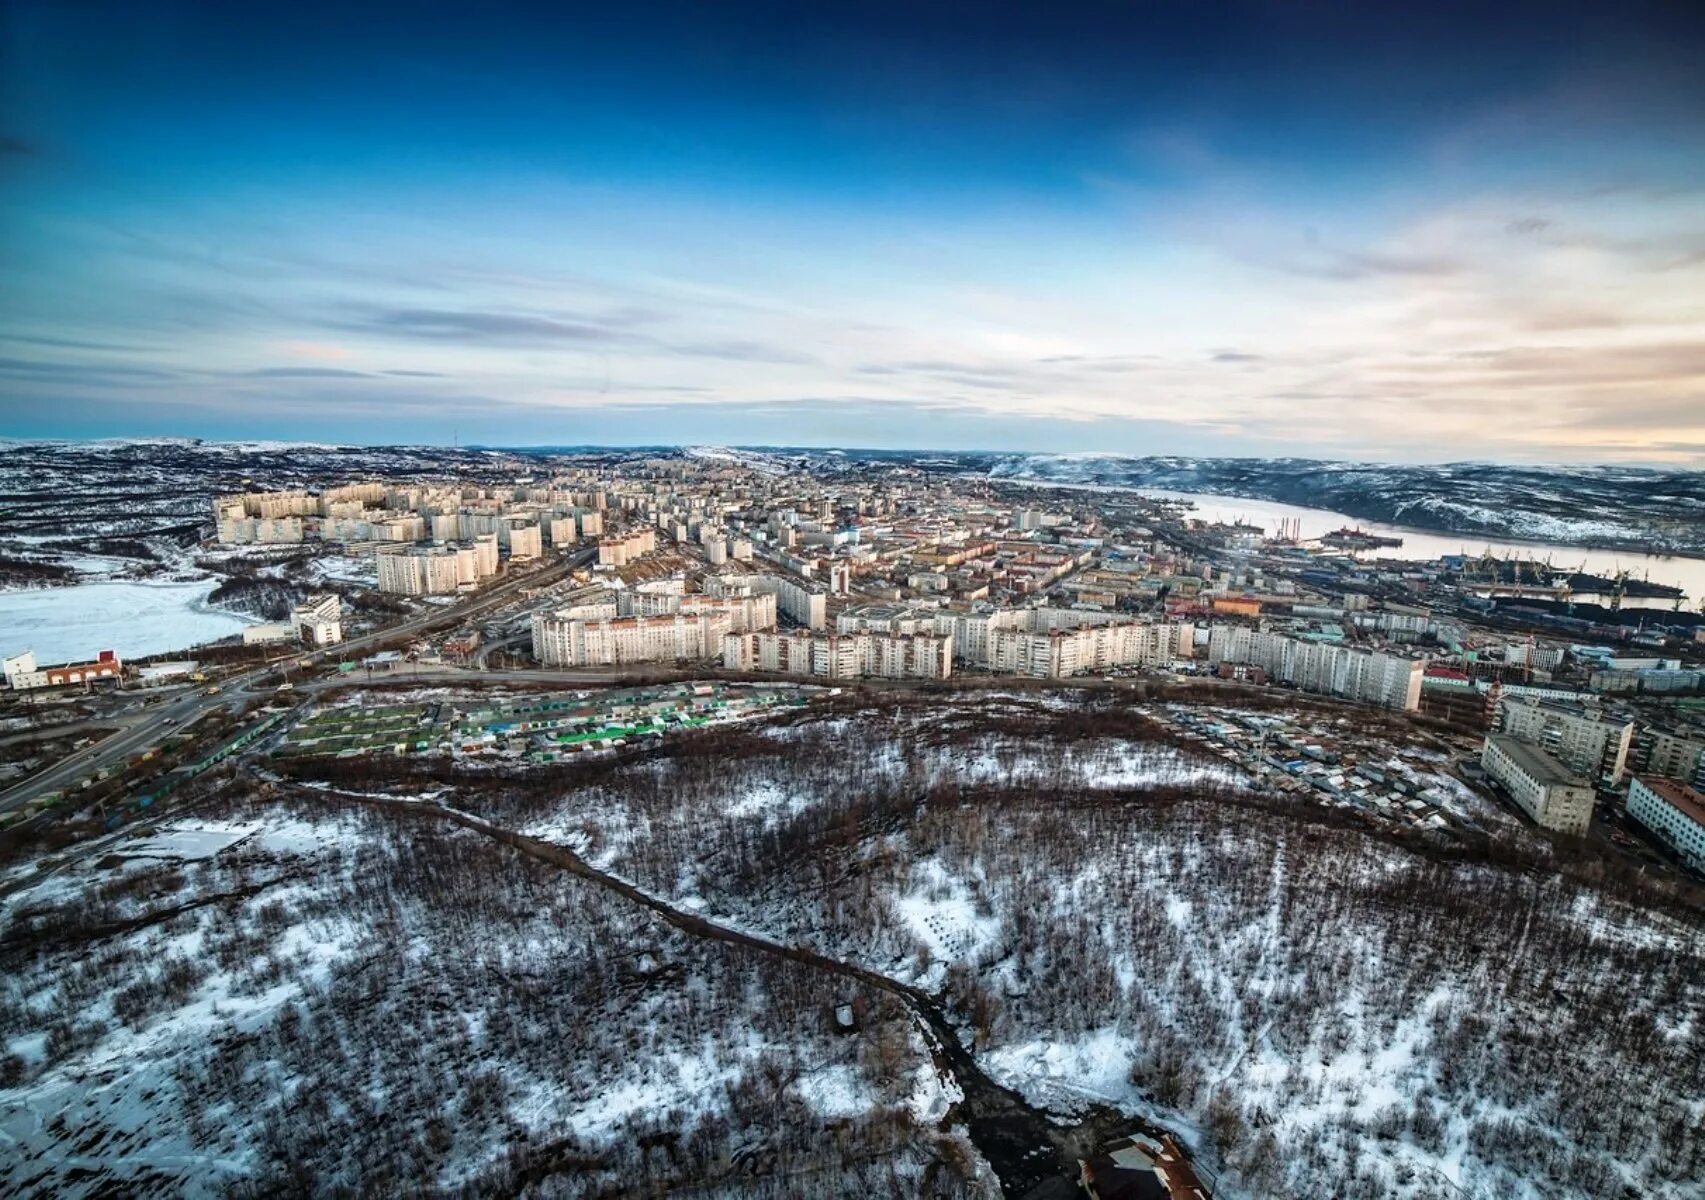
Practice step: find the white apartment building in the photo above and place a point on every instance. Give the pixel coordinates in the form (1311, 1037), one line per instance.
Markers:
(1673, 811)
(318, 620)
(1055, 643)
(567, 641)
(1371, 677)
(563, 531)
(419, 570)
(840, 656)
(804, 603)
(746, 614)
(1061, 653)
(1582, 739)
(259, 531)
(1554, 796)
(905, 619)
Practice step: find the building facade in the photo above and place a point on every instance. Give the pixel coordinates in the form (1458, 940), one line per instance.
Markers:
(1582, 739)
(840, 656)
(1673, 811)
(1554, 796)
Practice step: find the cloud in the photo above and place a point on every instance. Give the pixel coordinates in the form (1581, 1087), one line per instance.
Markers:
(13, 146)
(738, 351)
(1237, 356)
(497, 328)
(20, 368)
(306, 373)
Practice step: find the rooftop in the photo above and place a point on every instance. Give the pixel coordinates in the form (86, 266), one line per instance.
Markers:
(1685, 800)
(1535, 763)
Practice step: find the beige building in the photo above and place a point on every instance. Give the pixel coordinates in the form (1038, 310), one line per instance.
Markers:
(619, 551)
(419, 570)
(568, 641)
(1554, 796)
(1582, 739)
(840, 656)
(525, 541)
(804, 603)
(260, 531)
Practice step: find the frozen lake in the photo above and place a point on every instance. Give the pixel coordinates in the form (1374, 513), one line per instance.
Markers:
(70, 624)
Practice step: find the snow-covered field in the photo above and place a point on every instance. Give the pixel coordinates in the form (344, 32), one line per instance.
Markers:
(1307, 1001)
(1318, 1004)
(71, 624)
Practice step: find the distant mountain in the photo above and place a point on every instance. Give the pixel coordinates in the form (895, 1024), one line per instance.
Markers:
(1611, 507)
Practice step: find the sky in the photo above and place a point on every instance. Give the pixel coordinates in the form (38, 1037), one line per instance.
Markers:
(1407, 233)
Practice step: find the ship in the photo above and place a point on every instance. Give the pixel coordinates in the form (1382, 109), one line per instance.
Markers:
(1359, 539)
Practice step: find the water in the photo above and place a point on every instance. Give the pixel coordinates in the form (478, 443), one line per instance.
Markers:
(72, 624)
(1422, 546)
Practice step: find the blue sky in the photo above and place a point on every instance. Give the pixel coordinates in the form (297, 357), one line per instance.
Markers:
(1468, 231)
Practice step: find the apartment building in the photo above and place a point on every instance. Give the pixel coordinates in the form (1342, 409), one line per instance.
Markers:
(260, 531)
(525, 541)
(1583, 739)
(318, 620)
(1554, 796)
(1673, 811)
(746, 614)
(571, 641)
(803, 603)
(840, 656)
(1061, 653)
(1675, 753)
(422, 570)
(885, 618)
(619, 551)
(1371, 677)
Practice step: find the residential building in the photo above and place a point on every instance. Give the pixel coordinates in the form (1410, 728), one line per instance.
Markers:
(1554, 796)
(1676, 753)
(1371, 677)
(804, 603)
(318, 620)
(570, 641)
(419, 570)
(840, 656)
(525, 541)
(1674, 812)
(1583, 739)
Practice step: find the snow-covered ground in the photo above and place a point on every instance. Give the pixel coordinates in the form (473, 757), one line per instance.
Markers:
(71, 624)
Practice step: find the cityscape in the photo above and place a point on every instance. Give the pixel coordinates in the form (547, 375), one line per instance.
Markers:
(752, 601)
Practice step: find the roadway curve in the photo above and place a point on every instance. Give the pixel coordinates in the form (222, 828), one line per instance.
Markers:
(191, 707)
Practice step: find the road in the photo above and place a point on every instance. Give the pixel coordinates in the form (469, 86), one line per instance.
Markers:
(188, 708)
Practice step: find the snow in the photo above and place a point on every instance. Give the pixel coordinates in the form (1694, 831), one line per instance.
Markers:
(186, 843)
(71, 624)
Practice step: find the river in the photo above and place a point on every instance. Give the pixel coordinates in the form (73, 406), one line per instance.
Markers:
(1424, 546)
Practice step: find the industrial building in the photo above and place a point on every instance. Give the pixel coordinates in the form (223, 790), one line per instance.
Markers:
(22, 673)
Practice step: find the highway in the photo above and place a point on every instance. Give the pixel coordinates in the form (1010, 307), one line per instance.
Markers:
(190, 707)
